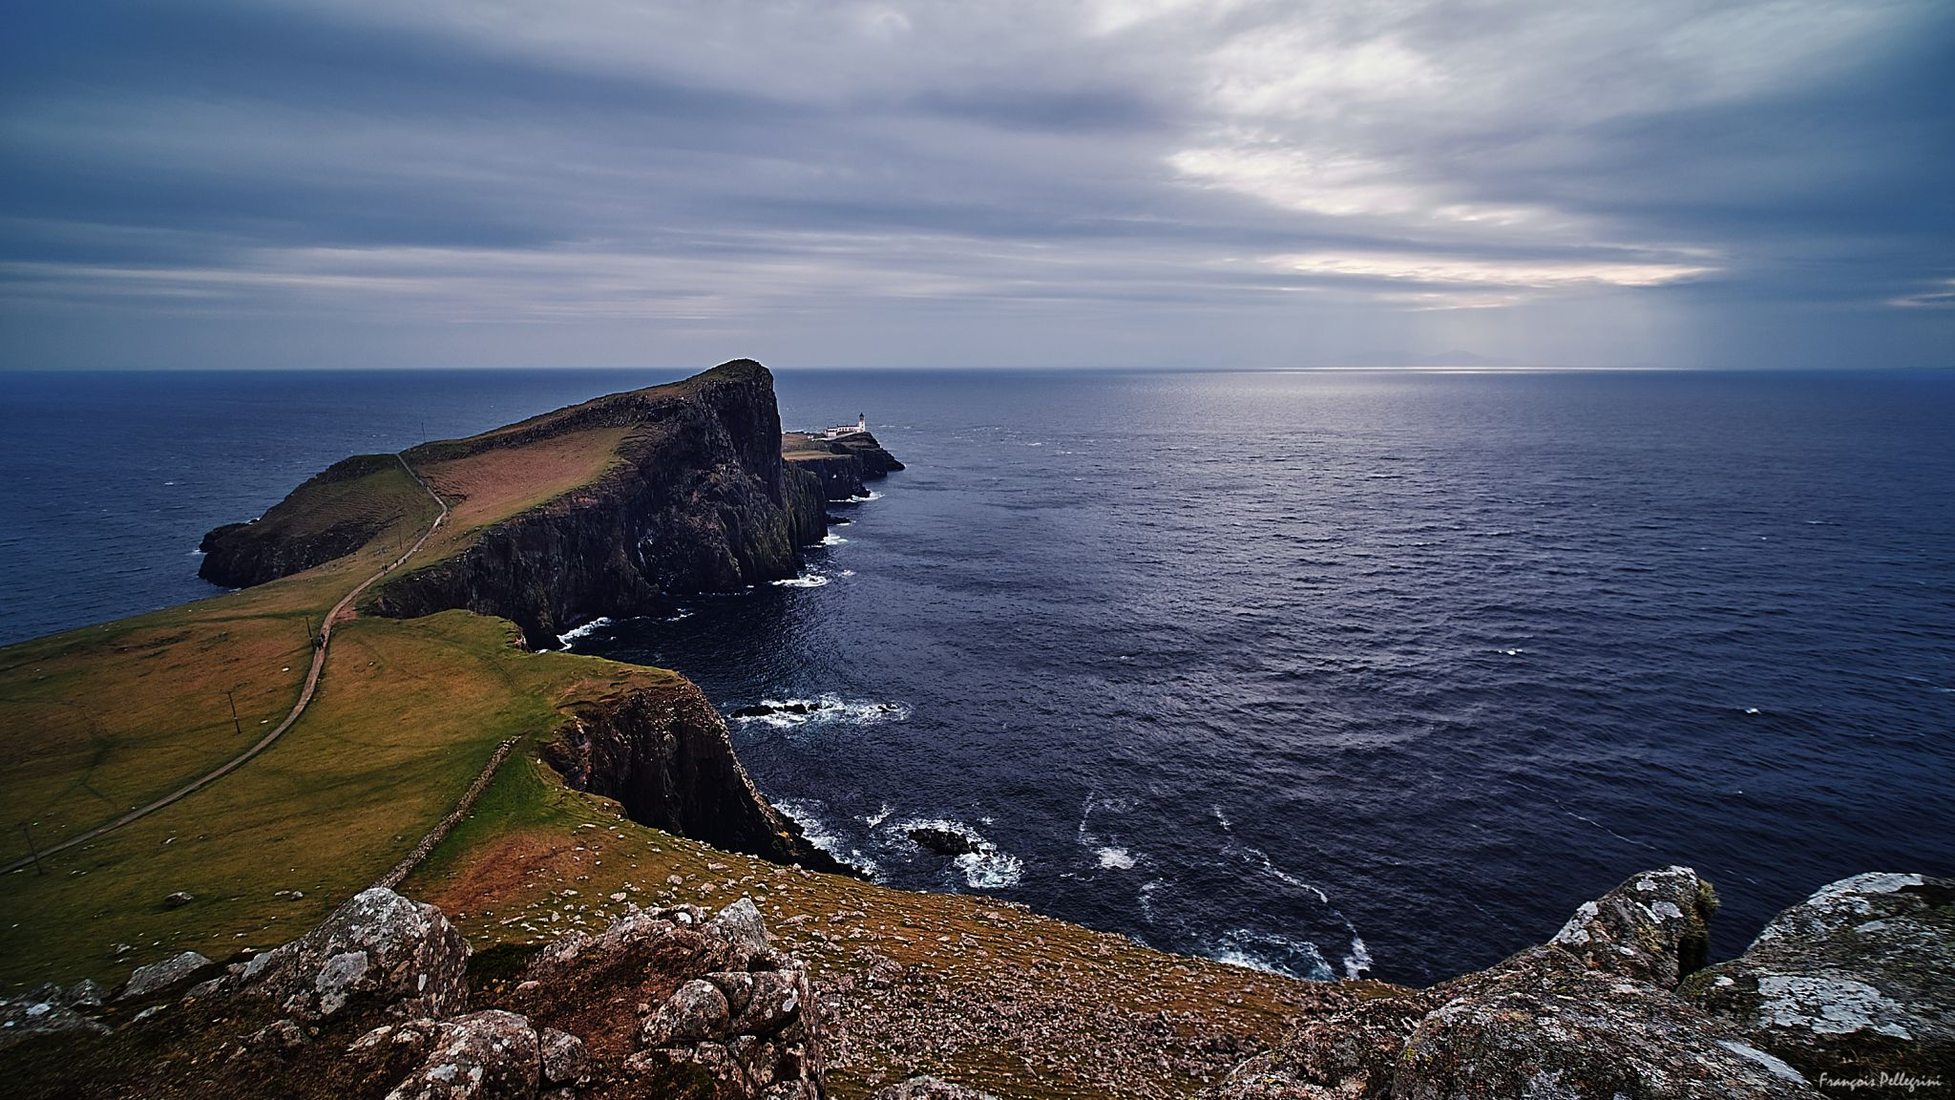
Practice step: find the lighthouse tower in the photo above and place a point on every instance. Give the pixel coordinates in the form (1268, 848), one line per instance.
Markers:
(861, 422)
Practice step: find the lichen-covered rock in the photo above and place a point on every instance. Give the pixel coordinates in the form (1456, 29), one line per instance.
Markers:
(1348, 1055)
(378, 951)
(1590, 1015)
(565, 1061)
(49, 1010)
(1543, 1024)
(158, 976)
(1654, 927)
(1854, 982)
(490, 1055)
(929, 1088)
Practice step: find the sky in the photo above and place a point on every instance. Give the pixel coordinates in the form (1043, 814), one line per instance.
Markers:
(1139, 183)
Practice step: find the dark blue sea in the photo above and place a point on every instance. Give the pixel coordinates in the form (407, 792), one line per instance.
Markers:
(1310, 671)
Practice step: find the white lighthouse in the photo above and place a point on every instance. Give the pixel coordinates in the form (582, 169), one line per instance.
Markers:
(861, 425)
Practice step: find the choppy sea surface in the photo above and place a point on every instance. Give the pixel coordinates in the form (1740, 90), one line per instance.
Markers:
(1317, 671)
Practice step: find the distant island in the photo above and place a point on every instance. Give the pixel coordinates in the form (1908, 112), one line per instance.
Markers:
(229, 805)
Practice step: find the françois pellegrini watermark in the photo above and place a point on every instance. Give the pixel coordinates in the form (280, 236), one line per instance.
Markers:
(1904, 1082)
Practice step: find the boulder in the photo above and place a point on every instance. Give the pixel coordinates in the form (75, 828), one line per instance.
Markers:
(1856, 983)
(743, 1024)
(1654, 927)
(377, 951)
(158, 976)
(929, 1088)
(49, 1010)
(490, 1055)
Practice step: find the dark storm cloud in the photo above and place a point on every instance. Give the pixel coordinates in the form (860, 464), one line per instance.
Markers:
(645, 179)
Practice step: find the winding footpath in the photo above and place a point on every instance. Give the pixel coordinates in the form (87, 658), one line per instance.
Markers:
(305, 697)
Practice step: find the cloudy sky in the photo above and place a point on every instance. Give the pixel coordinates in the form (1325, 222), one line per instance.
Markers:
(1229, 183)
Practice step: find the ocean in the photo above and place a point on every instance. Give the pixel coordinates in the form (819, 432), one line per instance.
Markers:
(1321, 672)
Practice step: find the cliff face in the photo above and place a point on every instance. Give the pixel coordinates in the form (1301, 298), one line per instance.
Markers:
(665, 756)
(700, 500)
(842, 463)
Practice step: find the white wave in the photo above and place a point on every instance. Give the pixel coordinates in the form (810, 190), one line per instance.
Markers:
(810, 579)
(598, 623)
(864, 498)
(1753, 710)
(1265, 951)
(879, 816)
(806, 814)
(826, 707)
(1515, 652)
(990, 870)
(1116, 859)
(831, 540)
(1358, 959)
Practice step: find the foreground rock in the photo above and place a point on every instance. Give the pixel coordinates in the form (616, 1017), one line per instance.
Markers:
(1590, 1015)
(373, 1003)
(696, 1007)
(378, 951)
(50, 1010)
(1856, 983)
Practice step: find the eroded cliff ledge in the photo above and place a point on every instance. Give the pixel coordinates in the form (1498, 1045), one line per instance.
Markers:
(665, 756)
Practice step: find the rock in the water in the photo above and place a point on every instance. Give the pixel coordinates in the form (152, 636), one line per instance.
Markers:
(1855, 982)
(943, 841)
(929, 1088)
(158, 976)
(379, 950)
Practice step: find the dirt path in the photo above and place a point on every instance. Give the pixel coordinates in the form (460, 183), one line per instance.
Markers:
(305, 696)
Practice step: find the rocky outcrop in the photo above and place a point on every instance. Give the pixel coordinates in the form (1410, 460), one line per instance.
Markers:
(377, 951)
(372, 1003)
(299, 532)
(1545, 1023)
(694, 1007)
(1856, 983)
(51, 1010)
(868, 452)
(664, 754)
(158, 976)
(842, 463)
(1590, 1015)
